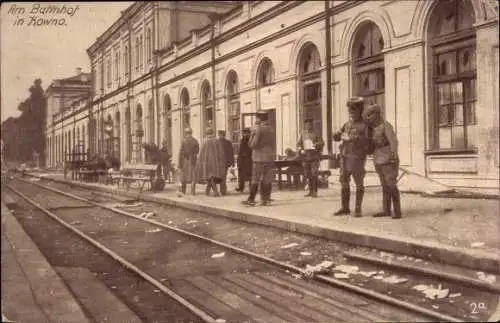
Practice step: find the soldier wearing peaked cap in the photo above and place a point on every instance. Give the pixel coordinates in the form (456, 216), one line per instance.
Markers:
(385, 159)
(354, 135)
(310, 146)
(187, 161)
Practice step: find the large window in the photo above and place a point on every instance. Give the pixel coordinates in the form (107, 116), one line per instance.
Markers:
(117, 65)
(151, 123)
(185, 111)
(128, 135)
(167, 117)
(369, 80)
(139, 132)
(117, 136)
(126, 63)
(207, 107)
(265, 74)
(149, 45)
(310, 86)
(137, 55)
(108, 71)
(453, 48)
(233, 112)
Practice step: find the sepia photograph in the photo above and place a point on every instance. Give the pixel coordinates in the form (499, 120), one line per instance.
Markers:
(250, 161)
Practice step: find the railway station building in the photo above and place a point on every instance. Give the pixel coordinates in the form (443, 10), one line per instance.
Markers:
(432, 65)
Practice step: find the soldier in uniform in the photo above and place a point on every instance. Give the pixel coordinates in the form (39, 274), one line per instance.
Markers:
(263, 155)
(187, 161)
(310, 146)
(385, 159)
(354, 135)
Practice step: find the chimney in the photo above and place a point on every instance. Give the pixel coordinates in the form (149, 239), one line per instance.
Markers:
(78, 70)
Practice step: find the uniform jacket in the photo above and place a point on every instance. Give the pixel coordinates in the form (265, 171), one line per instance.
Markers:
(212, 160)
(318, 143)
(228, 151)
(386, 144)
(358, 145)
(164, 155)
(262, 144)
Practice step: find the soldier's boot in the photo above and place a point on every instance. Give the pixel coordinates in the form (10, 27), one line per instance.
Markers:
(214, 187)
(360, 192)
(193, 188)
(386, 204)
(266, 194)
(345, 195)
(253, 192)
(396, 203)
(183, 187)
(314, 186)
(241, 185)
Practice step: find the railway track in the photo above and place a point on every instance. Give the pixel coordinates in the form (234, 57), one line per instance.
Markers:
(238, 286)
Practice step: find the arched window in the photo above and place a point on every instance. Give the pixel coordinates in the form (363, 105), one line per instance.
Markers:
(310, 86)
(152, 120)
(117, 135)
(167, 121)
(141, 52)
(149, 45)
(137, 55)
(452, 45)
(139, 131)
(108, 71)
(368, 64)
(207, 107)
(117, 65)
(84, 139)
(265, 73)
(126, 56)
(233, 111)
(185, 111)
(128, 134)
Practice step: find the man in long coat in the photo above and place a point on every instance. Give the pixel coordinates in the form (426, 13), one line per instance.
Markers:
(229, 157)
(187, 161)
(211, 166)
(244, 161)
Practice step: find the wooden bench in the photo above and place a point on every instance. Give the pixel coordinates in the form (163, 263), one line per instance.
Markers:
(295, 173)
(134, 173)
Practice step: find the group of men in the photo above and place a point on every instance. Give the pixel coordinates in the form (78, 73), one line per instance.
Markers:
(366, 133)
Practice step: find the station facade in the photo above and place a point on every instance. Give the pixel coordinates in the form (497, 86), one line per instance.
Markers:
(432, 65)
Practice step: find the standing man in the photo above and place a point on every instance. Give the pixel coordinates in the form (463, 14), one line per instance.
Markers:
(211, 166)
(354, 135)
(263, 156)
(385, 159)
(187, 161)
(244, 161)
(310, 146)
(229, 157)
(164, 164)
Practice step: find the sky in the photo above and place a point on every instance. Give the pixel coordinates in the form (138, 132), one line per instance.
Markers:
(30, 49)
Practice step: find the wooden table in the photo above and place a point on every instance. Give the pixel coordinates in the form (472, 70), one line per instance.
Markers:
(297, 171)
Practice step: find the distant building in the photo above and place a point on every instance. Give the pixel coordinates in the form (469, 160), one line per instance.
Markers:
(433, 65)
(67, 116)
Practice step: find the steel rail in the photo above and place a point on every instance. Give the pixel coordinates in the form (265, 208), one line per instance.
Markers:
(193, 308)
(325, 279)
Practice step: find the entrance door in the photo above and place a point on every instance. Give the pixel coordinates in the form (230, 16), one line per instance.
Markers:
(248, 121)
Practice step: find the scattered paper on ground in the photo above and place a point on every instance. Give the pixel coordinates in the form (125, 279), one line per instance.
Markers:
(367, 273)
(306, 253)
(218, 255)
(378, 277)
(153, 230)
(318, 269)
(394, 280)
(290, 245)
(455, 295)
(432, 292)
(386, 254)
(477, 244)
(192, 221)
(341, 275)
(126, 205)
(348, 269)
(491, 279)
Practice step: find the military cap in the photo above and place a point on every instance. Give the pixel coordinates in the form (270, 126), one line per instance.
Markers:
(355, 102)
(221, 132)
(189, 130)
(209, 131)
(246, 130)
(262, 115)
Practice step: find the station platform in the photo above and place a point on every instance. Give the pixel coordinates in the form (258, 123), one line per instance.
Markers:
(456, 231)
(32, 291)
